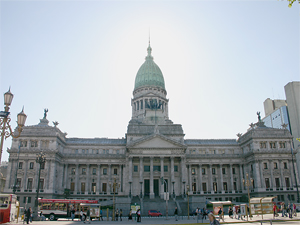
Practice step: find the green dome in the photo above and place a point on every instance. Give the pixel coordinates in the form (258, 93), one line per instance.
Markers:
(149, 74)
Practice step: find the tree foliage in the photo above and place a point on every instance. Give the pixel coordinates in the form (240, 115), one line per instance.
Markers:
(292, 1)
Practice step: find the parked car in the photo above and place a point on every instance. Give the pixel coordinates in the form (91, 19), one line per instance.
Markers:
(154, 213)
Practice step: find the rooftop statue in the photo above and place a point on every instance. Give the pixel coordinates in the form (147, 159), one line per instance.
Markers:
(258, 116)
(45, 113)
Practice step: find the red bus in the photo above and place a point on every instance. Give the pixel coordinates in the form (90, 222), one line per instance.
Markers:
(8, 209)
(61, 208)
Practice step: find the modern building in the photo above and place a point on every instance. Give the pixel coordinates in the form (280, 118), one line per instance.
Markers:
(153, 148)
(279, 113)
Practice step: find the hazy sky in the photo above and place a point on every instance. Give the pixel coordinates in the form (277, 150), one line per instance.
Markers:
(79, 59)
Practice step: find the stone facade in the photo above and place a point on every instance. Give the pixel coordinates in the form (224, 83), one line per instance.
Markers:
(153, 147)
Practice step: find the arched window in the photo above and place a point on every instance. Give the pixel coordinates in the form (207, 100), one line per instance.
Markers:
(134, 106)
(137, 105)
(141, 104)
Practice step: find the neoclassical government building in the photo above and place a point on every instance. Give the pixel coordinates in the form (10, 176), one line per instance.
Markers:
(153, 147)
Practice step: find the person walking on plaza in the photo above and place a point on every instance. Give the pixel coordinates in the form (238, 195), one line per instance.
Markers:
(239, 213)
(138, 215)
(204, 214)
(234, 211)
(220, 213)
(212, 219)
(117, 215)
(274, 210)
(28, 214)
(72, 213)
(283, 210)
(121, 213)
(81, 215)
(230, 212)
(176, 214)
(294, 209)
(130, 215)
(88, 216)
(290, 210)
(101, 215)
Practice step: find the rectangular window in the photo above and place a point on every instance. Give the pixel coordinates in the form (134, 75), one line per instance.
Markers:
(31, 165)
(33, 144)
(107, 151)
(29, 200)
(104, 187)
(94, 171)
(82, 187)
(284, 165)
(118, 152)
(20, 165)
(105, 171)
(165, 168)
(175, 168)
(233, 170)
(42, 166)
(272, 144)
(282, 144)
(277, 182)
(234, 186)
(293, 197)
(156, 168)
(204, 187)
(223, 171)
(83, 151)
(203, 171)
(73, 171)
(115, 171)
(267, 181)
(265, 166)
(83, 171)
(194, 187)
(76, 151)
(193, 171)
(41, 184)
(18, 183)
(29, 183)
(135, 168)
(275, 165)
(23, 143)
(287, 182)
(24, 199)
(263, 144)
(94, 187)
(225, 186)
(215, 186)
(213, 170)
(72, 186)
(147, 168)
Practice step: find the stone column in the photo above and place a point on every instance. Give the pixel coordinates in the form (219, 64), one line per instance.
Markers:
(109, 179)
(9, 175)
(130, 169)
(77, 179)
(281, 174)
(241, 177)
(49, 172)
(162, 175)
(141, 173)
(66, 176)
(231, 178)
(151, 178)
(172, 176)
(190, 177)
(261, 174)
(99, 179)
(221, 178)
(120, 178)
(25, 175)
(88, 189)
(53, 180)
(257, 174)
(183, 178)
(210, 178)
(271, 172)
(199, 178)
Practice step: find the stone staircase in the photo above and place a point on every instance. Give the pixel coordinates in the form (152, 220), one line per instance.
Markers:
(157, 204)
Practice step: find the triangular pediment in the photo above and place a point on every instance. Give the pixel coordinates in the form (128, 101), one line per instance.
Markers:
(156, 141)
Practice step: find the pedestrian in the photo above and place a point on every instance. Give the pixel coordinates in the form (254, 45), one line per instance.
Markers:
(130, 215)
(198, 211)
(204, 213)
(31, 215)
(42, 216)
(28, 213)
(176, 214)
(212, 219)
(81, 215)
(117, 214)
(220, 213)
(283, 210)
(239, 213)
(294, 209)
(121, 213)
(138, 215)
(234, 211)
(274, 210)
(290, 210)
(72, 213)
(230, 212)
(88, 216)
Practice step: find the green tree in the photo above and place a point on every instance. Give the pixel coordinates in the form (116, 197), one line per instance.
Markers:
(292, 1)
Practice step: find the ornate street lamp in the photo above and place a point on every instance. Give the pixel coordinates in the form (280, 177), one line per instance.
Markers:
(248, 183)
(114, 185)
(6, 130)
(40, 159)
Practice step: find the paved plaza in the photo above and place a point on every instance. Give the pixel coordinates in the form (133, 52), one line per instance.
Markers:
(257, 220)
